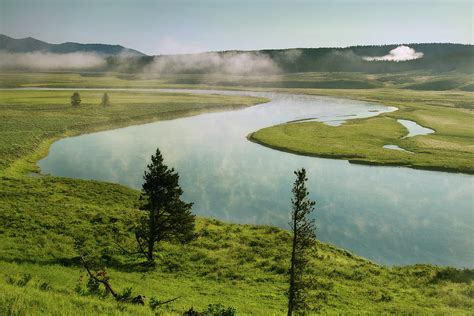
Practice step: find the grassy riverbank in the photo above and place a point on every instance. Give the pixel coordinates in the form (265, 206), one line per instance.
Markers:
(450, 148)
(420, 96)
(236, 265)
(32, 120)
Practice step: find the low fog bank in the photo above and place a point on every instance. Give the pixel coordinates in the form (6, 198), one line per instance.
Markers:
(228, 63)
(51, 61)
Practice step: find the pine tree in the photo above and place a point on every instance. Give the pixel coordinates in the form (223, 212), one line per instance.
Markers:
(105, 100)
(75, 99)
(303, 229)
(167, 216)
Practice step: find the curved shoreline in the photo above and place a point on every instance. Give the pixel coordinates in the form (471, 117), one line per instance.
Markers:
(354, 160)
(29, 163)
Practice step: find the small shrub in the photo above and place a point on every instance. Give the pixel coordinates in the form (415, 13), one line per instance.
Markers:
(154, 303)
(93, 286)
(21, 281)
(454, 275)
(75, 99)
(45, 286)
(384, 298)
(126, 295)
(219, 310)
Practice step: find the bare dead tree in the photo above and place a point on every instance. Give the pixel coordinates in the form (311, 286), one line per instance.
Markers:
(102, 278)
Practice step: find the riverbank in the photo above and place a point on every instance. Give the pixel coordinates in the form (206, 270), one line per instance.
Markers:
(449, 149)
(35, 119)
(449, 112)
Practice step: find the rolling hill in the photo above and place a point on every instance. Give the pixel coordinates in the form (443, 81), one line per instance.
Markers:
(29, 44)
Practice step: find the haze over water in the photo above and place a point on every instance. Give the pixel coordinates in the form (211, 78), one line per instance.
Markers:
(388, 214)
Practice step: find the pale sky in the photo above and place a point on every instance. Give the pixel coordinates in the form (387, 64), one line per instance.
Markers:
(180, 26)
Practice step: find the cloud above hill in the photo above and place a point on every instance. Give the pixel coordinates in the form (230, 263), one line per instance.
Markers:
(401, 53)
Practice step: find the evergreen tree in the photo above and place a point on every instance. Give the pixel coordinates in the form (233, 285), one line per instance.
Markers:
(75, 99)
(303, 229)
(105, 100)
(167, 216)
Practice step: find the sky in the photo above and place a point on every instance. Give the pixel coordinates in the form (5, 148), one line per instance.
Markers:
(189, 26)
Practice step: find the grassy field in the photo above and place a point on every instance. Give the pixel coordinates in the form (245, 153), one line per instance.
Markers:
(450, 148)
(42, 220)
(32, 120)
(414, 80)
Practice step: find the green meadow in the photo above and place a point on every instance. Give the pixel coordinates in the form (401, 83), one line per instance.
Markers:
(449, 114)
(32, 120)
(240, 266)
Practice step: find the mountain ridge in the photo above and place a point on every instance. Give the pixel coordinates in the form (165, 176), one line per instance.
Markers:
(31, 44)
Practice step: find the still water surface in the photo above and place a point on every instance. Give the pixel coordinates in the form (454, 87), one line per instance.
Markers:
(388, 214)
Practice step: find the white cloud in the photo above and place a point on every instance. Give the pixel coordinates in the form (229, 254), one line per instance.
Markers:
(401, 53)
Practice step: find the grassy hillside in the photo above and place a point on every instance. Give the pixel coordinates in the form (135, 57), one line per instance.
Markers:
(236, 265)
(45, 220)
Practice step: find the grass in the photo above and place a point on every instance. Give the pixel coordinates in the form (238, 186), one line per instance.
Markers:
(236, 265)
(32, 120)
(450, 148)
(420, 80)
(243, 266)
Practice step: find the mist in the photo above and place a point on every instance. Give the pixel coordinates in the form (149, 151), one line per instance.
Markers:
(229, 63)
(51, 61)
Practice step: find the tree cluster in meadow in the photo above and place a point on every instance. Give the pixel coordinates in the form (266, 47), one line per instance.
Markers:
(76, 100)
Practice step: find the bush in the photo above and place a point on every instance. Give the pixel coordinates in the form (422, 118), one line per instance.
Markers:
(220, 310)
(454, 275)
(22, 281)
(45, 286)
(75, 99)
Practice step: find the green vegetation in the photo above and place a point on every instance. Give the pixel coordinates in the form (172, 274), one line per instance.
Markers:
(421, 80)
(167, 217)
(75, 99)
(32, 120)
(105, 100)
(242, 266)
(45, 220)
(450, 148)
(303, 244)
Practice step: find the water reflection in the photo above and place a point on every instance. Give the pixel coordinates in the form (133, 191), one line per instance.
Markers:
(390, 215)
(414, 129)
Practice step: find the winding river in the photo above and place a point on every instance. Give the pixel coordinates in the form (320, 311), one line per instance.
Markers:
(390, 215)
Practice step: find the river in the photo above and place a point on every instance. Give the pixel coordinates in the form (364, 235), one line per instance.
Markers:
(391, 215)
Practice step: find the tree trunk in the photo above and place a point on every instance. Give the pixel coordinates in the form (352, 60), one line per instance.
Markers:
(151, 237)
(291, 291)
(151, 245)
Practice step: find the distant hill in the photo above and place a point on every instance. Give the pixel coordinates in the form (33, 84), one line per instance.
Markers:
(434, 57)
(438, 57)
(29, 44)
